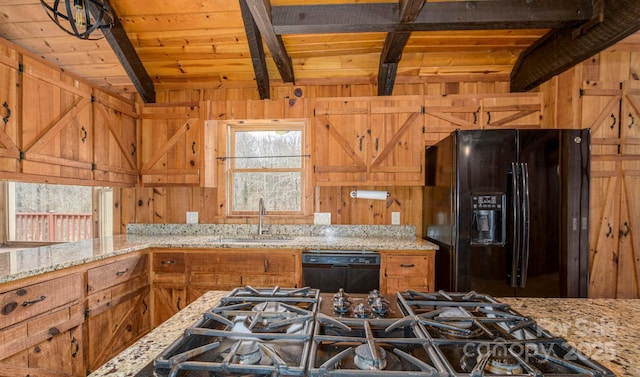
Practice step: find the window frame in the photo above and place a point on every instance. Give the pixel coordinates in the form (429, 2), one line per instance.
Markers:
(302, 125)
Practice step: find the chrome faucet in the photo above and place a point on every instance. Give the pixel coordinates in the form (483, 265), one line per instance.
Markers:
(261, 212)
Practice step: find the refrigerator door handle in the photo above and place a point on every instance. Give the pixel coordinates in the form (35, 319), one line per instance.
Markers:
(524, 225)
(515, 206)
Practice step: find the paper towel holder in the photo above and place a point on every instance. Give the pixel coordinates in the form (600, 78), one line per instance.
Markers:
(369, 194)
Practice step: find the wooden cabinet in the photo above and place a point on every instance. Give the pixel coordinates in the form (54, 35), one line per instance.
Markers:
(224, 269)
(180, 277)
(118, 307)
(57, 135)
(368, 141)
(41, 328)
(612, 111)
(175, 144)
(169, 284)
(115, 152)
(402, 270)
(9, 109)
(444, 115)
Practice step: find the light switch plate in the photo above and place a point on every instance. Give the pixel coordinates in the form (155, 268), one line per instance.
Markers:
(192, 217)
(322, 218)
(395, 218)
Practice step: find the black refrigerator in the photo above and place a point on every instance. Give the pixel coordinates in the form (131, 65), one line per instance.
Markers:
(510, 211)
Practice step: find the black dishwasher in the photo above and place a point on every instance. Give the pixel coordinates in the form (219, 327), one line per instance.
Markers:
(330, 270)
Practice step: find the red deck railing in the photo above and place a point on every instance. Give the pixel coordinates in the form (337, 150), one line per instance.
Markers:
(60, 227)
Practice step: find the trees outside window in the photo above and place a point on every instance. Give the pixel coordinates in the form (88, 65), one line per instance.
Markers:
(266, 161)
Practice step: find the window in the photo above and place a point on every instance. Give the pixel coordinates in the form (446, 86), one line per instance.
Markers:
(49, 213)
(266, 160)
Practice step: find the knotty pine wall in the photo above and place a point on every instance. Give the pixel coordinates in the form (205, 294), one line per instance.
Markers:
(169, 205)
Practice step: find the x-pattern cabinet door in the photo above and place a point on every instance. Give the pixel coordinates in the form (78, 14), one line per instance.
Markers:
(57, 134)
(611, 111)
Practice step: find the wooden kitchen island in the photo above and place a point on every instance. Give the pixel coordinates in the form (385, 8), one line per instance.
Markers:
(601, 328)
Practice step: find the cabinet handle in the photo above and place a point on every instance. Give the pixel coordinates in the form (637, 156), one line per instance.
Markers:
(144, 311)
(625, 232)
(613, 121)
(120, 273)
(193, 148)
(609, 232)
(361, 137)
(168, 262)
(178, 303)
(76, 347)
(83, 132)
(488, 117)
(8, 110)
(407, 265)
(633, 120)
(475, 117)
(27, 303)
(376, 145)
(133, 149)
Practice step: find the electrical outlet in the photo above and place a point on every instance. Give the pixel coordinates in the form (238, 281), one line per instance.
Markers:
(192, 217)
(395, 218)
(322, 218)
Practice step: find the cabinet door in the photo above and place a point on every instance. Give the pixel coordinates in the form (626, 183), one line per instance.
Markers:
(57, 135)
(50, 345)
(121, 318)
(396, 153)
(403, 271)
(9, 152)
(115, 152)
(340, 137)
(168, 299)
(612, 112)
(515, 110)
(443, 115)
(171, 145)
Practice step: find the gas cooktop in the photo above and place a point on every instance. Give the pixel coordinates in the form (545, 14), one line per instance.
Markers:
(301, 332)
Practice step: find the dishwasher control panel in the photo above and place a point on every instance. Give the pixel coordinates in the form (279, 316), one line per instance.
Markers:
(370, 258)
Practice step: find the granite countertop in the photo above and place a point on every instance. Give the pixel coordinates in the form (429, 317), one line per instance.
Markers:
(603, 329)
(18, 264)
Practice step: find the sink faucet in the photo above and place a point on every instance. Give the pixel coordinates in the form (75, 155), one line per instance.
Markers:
(261, 212)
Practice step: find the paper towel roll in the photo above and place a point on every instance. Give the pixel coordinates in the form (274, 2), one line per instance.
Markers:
(370, 194)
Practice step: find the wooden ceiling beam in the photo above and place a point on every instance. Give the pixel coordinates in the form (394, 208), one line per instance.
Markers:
(257, 51)
(394, 45)
(126, 54)
(560, 50)
(447, 15)
(261, 12)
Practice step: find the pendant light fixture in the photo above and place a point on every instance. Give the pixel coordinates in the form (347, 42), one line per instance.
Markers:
(79, 18)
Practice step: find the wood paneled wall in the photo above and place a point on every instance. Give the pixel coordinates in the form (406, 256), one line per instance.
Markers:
(169, 205)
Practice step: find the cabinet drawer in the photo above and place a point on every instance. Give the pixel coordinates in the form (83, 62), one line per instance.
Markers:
(406, 265)
(168, 262)
(29, 301)
(112, 274)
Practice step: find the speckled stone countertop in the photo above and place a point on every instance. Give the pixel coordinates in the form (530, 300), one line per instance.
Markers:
(18, 264)
(605, 330)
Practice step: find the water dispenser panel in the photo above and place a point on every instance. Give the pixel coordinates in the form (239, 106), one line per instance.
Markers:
(488, 219)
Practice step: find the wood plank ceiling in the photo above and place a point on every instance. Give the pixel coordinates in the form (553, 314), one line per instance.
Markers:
(204, 44)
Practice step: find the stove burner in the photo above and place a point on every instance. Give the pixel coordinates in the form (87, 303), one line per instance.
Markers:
(380, 306)
(341, 302)
(366, 361)
(503, 365)
(266, 315)
(373, 295)
(248, 353)
(361, 311)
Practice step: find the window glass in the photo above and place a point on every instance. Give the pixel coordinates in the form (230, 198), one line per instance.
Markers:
(49, 213)
(266, 162)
